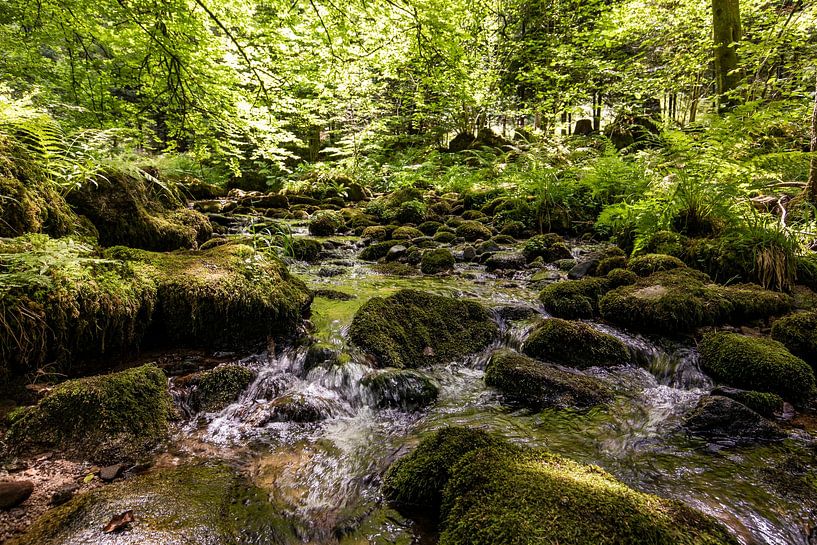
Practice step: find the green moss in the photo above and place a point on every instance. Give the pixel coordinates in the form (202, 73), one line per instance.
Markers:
(609, 264)
(428, 228)
(517, 495)
(413, 328)
(574, 299)
(683, 299)
(226, 296)
(444, 236)
(34, 207)
(473, 231)
(378, 250)
(550, 247)
(404, 388)
(62, 302)
(539, 385)
(436, 261)
(394, 268)
(375, 232)
(416, 482)
(306, 249)
(103, 418)
(325, 223)
(133, 211)
(757, 364)
(763, 403)
(186, 504)
(217, 388)
(645, 265)
(413, 211)
(798, 332)
(406, 233)
(621, 277)
(574, 344)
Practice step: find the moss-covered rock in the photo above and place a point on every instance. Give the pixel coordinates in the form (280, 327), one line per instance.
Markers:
(305, 249)
(798, 332)
(609, 264)
(415, 483)
(136, 211)
(645, 265)
(406, 233)
(549, 247)
(509, 261)
(226, 296)
(473, 231)
(575, 344)
(757, 364)
(186, 504)
(574, 299)
(539, 385)
(621, 277)
(378, 250)
(375, 232)
(412, 328)
(395, 268)
(325, 223)
(62, 302)
(413, 211)
(490, 492)
(720, 417)
(215, 389)
(437, 261)
(406, 389)
(428, 228)
(683, 299)
(104, 418)
(764, 403)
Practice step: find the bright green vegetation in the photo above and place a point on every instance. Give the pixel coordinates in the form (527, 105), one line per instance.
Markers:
(757, 364)
(486, 491)
(540, 385)
(436, 261)
(574, 344)
(798, 332)
(215, 389)
(65, 302)
(172, 505)
(103, 418)
(412, 329)
(683, 299)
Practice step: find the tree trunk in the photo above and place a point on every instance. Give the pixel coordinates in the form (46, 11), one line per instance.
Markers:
(811, 185)
(726, 31)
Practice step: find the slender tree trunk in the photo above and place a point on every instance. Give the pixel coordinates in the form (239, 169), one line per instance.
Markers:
(726, 31)
(811, 185)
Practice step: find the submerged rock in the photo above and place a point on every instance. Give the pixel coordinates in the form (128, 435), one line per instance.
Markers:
(757, 364)
(486, 491)
(412, 328)
(539, 385)
(176, 506)
(575, 344)
(719, 417)
(102, 418)
(402, 388)
(294, 407)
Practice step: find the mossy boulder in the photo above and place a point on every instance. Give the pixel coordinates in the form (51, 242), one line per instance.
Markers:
(473, 231)
(406, 389)
(413, 211)
(683, 299)
(139, 212)
(490, 492)
(539, 385)
(305, 249)
(215, 389)
(103, 418)
(758, 364)
(574, 299)
(609, 264)
(190, 504)
(507, 261)
(437, 261)
(227, 296)
(63, 302)
(378, 250)
(429, 227)
(723, 418)
(550, 247)
(406, 233)
(648, 264)
(413, 328)
(375, 232)
(444, 237)
(764, 403)
(325, 223)
(575, 344)
(798, 332)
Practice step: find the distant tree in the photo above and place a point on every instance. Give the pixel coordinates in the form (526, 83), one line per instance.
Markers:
(727, 32)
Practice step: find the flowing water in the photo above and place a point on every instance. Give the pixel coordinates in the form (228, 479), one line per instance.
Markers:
(327, 467)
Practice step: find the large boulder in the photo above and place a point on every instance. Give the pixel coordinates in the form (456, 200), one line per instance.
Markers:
(188, 504)
(140, 212)
(723, 418)
(575, 344)
(539, 385)
(103, 418)
(215, 389)
(798, 332)
(413, 328)
(757, 364)
(485, 491)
